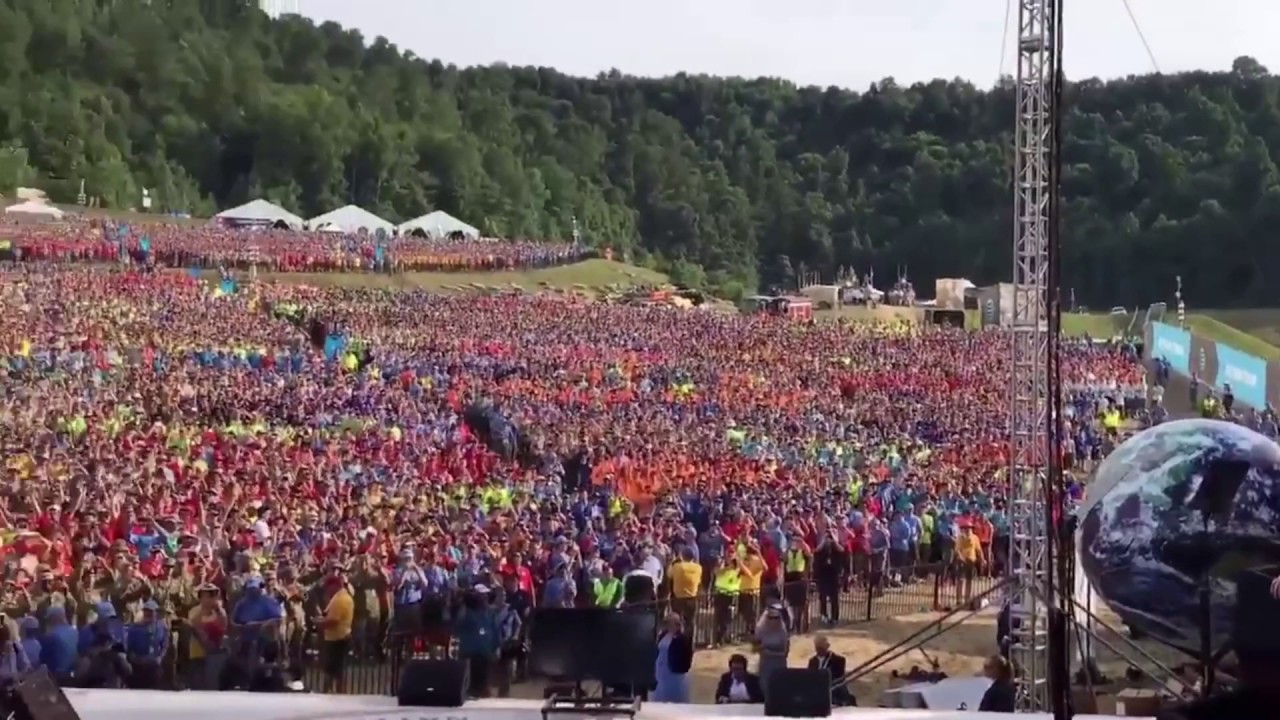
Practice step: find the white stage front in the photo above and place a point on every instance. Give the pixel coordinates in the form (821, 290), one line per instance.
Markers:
(155, 705)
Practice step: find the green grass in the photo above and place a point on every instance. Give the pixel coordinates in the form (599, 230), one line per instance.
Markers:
(1211, 328)
(588, 276)
(1095, 325)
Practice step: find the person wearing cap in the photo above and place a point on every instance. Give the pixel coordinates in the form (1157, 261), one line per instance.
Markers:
(146, 643)
(335, 628)
(479, 638)
(59, 650)
(207, 625)
(29, 628)
(105, 623)
(254, 621)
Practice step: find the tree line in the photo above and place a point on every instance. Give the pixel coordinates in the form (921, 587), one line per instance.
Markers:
(729, 184)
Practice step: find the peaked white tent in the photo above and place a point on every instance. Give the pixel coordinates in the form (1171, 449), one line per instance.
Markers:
(350, 219)
(34, 209)
(438, 224)
(260, 212)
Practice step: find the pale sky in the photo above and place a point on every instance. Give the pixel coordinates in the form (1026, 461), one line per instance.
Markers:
(849, 43)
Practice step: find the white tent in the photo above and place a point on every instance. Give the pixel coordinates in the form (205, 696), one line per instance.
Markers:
(438, 224)
(34, 208)
(261, 212)
(350, 219)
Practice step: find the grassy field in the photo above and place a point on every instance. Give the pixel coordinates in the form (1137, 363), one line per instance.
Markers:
(1256, 332)
(587, 276)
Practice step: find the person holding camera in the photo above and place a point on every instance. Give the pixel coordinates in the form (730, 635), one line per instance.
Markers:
(146, 643)
(207, 625)
(479, 638)
(104, 664)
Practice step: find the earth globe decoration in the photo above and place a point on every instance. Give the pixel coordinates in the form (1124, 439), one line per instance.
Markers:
(1142, 527)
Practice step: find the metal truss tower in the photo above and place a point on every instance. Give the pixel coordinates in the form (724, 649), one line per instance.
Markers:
(1034, 342)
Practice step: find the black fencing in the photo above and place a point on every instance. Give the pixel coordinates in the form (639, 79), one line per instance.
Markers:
(712, 619)
(371, 660)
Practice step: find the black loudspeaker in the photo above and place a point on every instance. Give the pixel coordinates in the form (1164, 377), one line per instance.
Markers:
(798, 693)
(609, 646)
(35, 696)
(434, 683)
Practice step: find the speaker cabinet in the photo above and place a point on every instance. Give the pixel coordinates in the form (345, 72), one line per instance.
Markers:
(798, 693)
(434, 683)
(36, 696)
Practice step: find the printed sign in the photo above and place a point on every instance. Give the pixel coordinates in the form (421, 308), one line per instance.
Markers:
(1172, 345)
(1246, 374)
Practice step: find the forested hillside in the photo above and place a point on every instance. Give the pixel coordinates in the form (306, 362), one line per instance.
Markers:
(726, 182)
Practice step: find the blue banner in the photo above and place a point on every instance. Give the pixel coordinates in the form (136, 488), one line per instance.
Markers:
(228, 287)
(1172, 345)
(1246, 374)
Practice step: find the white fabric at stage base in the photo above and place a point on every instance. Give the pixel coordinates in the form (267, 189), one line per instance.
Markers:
(157, 705)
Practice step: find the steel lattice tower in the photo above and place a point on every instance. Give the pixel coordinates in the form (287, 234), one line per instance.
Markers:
(1033, 346)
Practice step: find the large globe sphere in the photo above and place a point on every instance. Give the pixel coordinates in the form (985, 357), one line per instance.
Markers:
(1143, 542)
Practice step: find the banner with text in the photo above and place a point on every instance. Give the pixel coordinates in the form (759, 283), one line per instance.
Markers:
(1215, 364)
(1246, 374)
(1172, 345)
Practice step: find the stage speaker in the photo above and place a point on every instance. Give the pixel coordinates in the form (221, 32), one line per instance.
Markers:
(613, 647)
(798, 693)
(36, 696)
(434, 683)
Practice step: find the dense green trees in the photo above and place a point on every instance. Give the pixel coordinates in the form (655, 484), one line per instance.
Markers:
(731, 183)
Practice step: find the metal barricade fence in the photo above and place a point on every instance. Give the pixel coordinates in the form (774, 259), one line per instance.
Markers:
(711, 619)
(376, 654)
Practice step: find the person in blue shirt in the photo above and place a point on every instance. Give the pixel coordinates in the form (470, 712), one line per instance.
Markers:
(59, 648)
(479, 638)
(105, 623)
(899, 543)
(253, 619)
(146, 643)
(30, 629)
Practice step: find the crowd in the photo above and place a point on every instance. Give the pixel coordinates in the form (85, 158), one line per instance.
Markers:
(214, 246)
(200, 487)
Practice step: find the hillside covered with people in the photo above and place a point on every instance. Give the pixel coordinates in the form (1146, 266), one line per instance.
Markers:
(728, 183)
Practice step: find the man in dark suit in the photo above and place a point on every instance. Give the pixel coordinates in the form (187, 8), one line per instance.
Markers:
(824, 659)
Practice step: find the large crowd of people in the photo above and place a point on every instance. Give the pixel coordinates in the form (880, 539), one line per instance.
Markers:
(203, 484)
(211, 245)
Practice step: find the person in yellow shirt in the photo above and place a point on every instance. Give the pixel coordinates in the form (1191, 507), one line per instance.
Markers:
(335, 628)
(750, 572)
(968, 551)
(686, 578)
(207, 625)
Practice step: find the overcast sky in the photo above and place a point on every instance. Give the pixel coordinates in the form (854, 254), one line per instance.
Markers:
(849, 43)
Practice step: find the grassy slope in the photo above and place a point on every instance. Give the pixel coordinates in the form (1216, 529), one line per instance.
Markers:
(589, 275)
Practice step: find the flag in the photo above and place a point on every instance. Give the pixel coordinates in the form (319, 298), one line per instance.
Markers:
(228, 286)
(145, 244)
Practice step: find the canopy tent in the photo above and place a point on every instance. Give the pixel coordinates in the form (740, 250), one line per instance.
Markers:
(260, 212)
(438, 224)
(350, 219)
(33, 209)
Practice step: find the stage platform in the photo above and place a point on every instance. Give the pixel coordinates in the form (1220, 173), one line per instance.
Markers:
(155, 705)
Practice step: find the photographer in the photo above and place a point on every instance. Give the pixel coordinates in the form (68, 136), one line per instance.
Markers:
(103, 665)
(479, 638)
(255, 621)
(146, 643)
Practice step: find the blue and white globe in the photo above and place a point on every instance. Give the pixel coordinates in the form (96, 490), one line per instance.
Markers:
(1142, 540)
